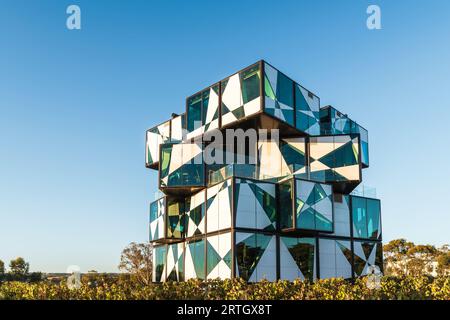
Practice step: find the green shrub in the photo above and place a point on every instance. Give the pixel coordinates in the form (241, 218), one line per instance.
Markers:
(104, 288)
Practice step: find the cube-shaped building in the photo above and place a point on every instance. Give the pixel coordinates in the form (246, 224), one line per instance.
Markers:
(285, 205)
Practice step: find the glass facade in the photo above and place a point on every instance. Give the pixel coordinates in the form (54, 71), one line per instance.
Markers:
(195, 259)
(288, 210)
(157, 219)
(335, 158)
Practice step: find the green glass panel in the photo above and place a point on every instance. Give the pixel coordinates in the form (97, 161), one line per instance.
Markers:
(160, 260)
(373, 218)
(249, 252)
(306, 219)
(175, 219)
(294, 158)
(300, 102)
(212, 259)
(285, 90)
(286, 210)
(154, 208)
(205, 105)
(266, 201)
(197, 249)
(302, 251)
(166, 151)
(250, 84)
(181, 267)
(268, 89)
(343, 156)
(194, 113)
(323, 223)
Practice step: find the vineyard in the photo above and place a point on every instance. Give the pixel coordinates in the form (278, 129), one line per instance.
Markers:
(105, 288)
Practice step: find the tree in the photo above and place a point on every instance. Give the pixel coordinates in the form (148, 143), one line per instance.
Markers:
(19, 267)
(402, 257)
(2, 268)
(136, 259)
(444, 263)
(395, 256)
(420, 259)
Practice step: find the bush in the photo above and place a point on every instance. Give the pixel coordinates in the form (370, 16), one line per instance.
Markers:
(121, 288)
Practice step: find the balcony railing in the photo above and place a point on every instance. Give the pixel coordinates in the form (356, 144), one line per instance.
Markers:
(365, 191)
(238, 170)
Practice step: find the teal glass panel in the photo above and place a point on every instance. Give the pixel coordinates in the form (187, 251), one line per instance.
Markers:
(205, 102)
(166, 152)
(293, 157)
(160, 261)
(285, 90)
(365, 153)
(279, 93)
(197, 249)
(212, 258)
(178, 257)
(154, 208)
(190, 173)
(175, 219)
(305, 218)
(323, 223)
(194, 112)
(373, 218)
(359, 215)
(181, 267)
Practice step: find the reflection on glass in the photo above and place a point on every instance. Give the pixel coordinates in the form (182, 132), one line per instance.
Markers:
(160, 260)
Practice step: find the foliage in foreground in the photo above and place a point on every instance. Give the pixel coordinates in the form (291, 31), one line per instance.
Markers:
(405, 288)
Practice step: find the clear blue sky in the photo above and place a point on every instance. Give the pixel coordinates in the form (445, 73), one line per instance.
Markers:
(74, 107)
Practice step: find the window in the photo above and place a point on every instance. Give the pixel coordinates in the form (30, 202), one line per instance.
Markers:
(359, 214)
(197, 250)
(366, 217)
(194, 113)
(250, 84)
(159, 263)
(373, 218)
(302, 251)
(175, 219)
